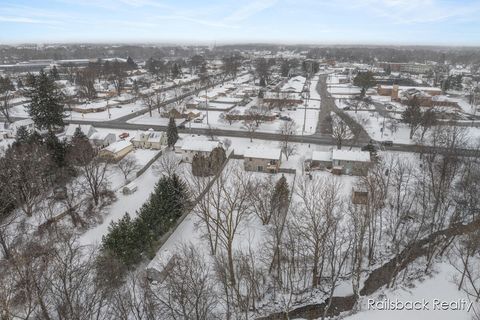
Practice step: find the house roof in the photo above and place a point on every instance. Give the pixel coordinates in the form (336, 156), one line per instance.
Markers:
(322, 156)
(263, 153)
(102, 135)
(199, 145)
(118, 146)
(23, 123)
(85, 128)
(351, 155)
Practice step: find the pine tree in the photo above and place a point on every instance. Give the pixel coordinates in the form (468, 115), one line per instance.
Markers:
(56, 148)
(172, 133)
(45, 108)
(122, 240)
(22, 135)
(131, 64)
(54, 73)
(79, 135)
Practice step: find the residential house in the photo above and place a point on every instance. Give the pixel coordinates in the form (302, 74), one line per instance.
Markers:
(12, 128)
(321, 160)
(262, 159)
(190, 147)
(117, 150)
(352, 162)
(87, 130)
(149, 139)
(102, 139)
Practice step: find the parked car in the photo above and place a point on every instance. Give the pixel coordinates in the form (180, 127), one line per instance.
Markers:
(181, 126)
(124, 135)
(346, 108)
(387, 143)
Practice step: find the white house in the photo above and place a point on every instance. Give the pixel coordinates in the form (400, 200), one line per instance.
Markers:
(262, 159)
(117, 150)
(149, 139)
(102, 139)
(354, 162)
(191, 147)
(87, 130)
(12, 128)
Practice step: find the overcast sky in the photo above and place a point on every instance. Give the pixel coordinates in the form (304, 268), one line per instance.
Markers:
(443, 22)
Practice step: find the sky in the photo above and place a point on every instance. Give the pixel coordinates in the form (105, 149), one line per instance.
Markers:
(402, 22)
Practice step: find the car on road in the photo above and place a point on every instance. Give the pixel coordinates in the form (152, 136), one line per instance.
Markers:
(181, 126)
(387, 143)
(286, 118)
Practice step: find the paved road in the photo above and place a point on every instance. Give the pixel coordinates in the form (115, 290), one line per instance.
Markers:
(318, 138)
(328, 105)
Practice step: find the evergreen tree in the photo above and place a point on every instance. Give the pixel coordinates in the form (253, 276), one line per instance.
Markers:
(412, 115)
(79, 135)
(19, 84)
(22, 135)
(56, 148)
(54, 73)
(262, 83)
(30, 79)
(123, 241)
(45, 108)
(364, 80)
(172, 133)
(35, 138)
(131, 64)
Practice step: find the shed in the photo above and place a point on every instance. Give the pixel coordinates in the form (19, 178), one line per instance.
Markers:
(129, 188)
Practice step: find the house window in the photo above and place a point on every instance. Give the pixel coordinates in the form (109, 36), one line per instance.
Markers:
(260, 168)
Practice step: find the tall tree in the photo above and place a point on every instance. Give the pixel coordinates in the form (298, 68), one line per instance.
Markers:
(46, 107)
(412, 115)
(365, 81)
(54, 73)
(6, 94)
(172, 133)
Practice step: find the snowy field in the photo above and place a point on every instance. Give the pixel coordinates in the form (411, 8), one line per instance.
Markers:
(111, 114)
(440, 287)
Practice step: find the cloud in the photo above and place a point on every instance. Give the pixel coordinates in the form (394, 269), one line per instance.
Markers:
(419, 11)
(26, 20)
(250, 9)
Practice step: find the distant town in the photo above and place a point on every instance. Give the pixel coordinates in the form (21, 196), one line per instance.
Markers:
(240, 181)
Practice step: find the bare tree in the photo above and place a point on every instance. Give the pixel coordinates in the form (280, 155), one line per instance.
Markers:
(91, 165)
(287, 130)
(340, 130)
(187, 290)
(86, 78)
(127, 165)
(168, 164)
(25, 174)
(251, 127)
(6, 94)
(230, 207)
(320, 203)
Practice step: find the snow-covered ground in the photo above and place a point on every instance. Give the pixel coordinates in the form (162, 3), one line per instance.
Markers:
(373, 123)
(440, 286)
